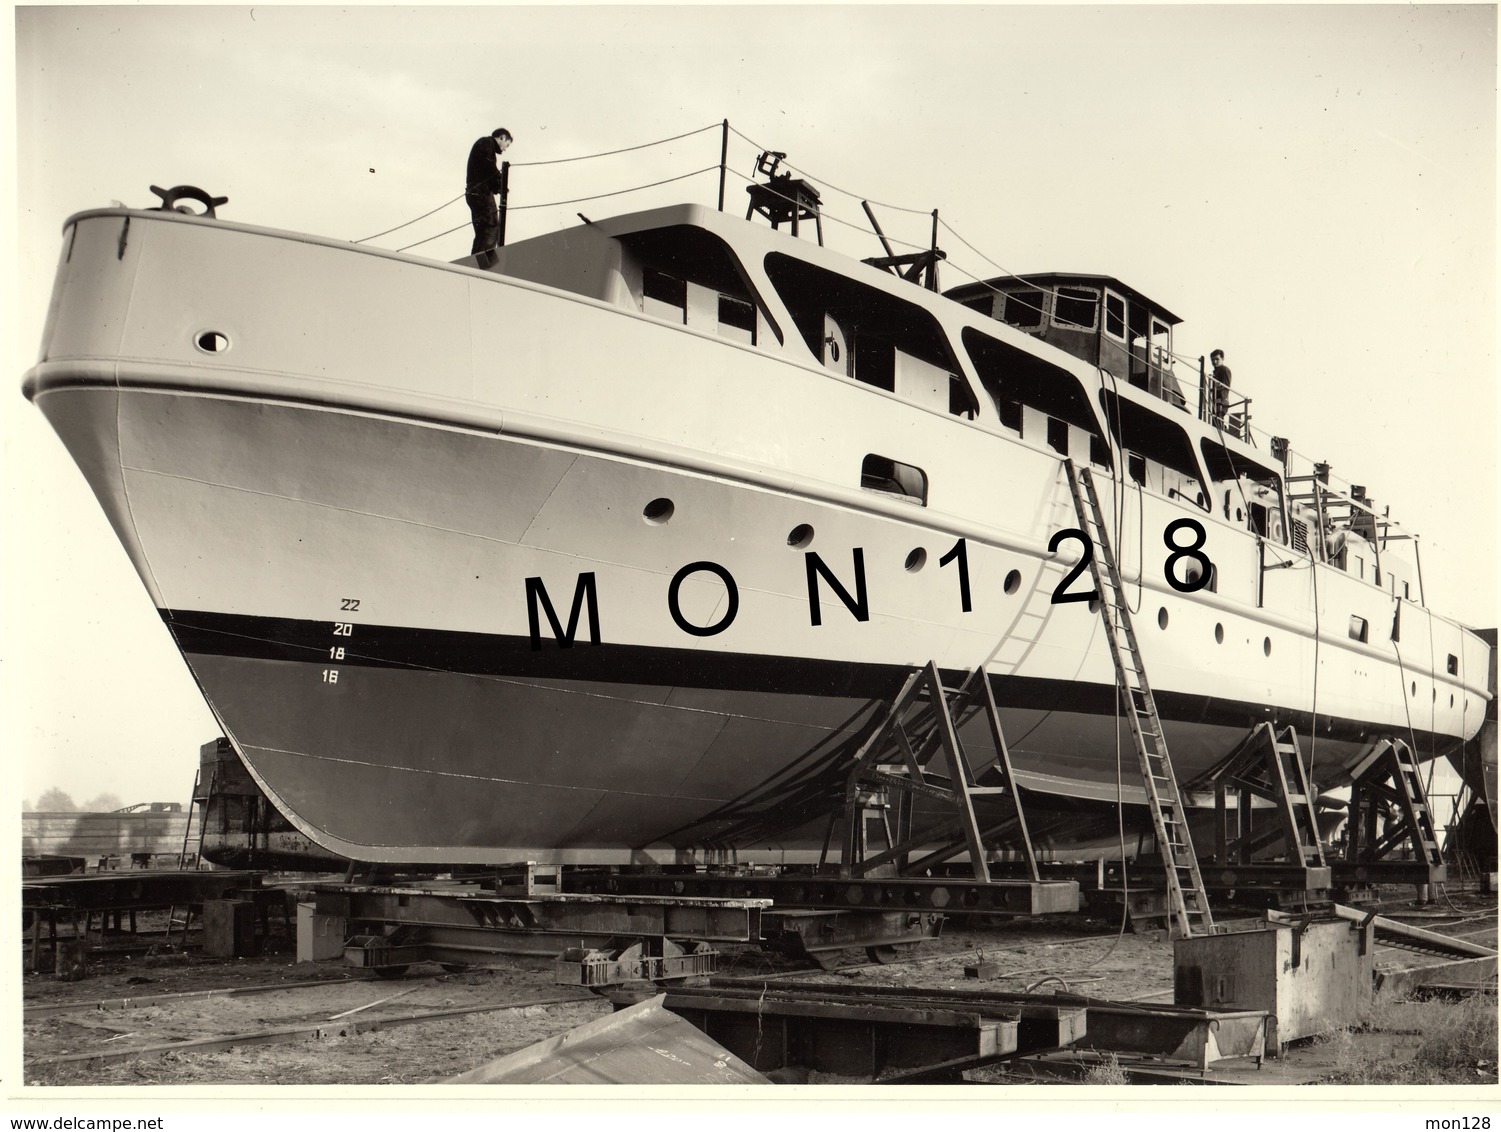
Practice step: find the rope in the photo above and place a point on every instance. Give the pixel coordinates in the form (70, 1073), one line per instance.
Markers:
(616, 193)
(557, 203)
(613, 152)
(430, 239)
(409, 223)
(532, 165)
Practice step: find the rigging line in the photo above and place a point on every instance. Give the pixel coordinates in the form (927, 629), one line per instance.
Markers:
(830, 184)
(613, 152)
(409, 223)
(576, 200)
(1122, 479)
(1433, 699)
(1406, 705)
(424, 216)
(616, 193)
(1313, 746)
(1120, 812)
(1003, 270)
(1219, 427)
(430, 239)
(532, 165)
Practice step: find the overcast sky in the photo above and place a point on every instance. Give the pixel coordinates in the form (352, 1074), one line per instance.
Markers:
(1311, 188)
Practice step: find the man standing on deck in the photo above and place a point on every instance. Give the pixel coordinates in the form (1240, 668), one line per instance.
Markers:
(481, 183)
(1221, 387)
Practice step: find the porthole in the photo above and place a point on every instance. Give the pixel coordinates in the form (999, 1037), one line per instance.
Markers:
(1415, 687)
(658, 511)
(1451, 699)
(1013, 581)
(800, 537)
(1266, 646)
(212, 342)
(1162, 618)
(1094, 605)
(1219, 634)
(917, 558)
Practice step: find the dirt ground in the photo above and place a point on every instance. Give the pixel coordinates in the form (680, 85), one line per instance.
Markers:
(364, 1047)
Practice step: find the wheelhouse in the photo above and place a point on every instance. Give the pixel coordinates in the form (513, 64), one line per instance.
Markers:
(1096, 318)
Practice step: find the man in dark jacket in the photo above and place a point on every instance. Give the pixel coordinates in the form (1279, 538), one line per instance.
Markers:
(481, 183)
(1220, 387)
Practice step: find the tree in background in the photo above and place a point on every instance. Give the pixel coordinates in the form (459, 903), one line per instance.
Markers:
(103, 803)
(54, 801)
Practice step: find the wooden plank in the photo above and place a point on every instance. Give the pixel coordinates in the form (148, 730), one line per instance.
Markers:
(1390, 931)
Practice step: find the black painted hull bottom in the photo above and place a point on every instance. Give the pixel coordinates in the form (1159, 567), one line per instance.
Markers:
(401, 762)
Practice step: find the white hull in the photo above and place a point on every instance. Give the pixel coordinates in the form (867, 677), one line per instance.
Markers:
(392, 448)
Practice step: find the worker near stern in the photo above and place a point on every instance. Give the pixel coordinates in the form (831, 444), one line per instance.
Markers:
(481, 184)
(1221, 387)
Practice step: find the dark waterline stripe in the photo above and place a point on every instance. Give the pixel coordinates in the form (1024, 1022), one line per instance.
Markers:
(289, 640)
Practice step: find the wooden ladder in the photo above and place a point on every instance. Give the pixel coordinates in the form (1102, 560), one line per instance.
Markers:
(921, 724)
(197, 815)
(1187, 900)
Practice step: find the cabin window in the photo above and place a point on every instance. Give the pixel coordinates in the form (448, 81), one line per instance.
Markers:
(1076, 308)
(663, 296)
(1011, 415)
(1258, 485)
(1359, 628)
(984, 303)
(691, 277)
(1022, 309)
(1115, 316)
(1014, 378)
(881, 340)
(881, 473)
(1259, 519)
(737, 319)
(1162, 343)
(1147, 431)
(961, 400)
(1099, 452)
(1452, 665)
(1136, 467)
(1058, 436)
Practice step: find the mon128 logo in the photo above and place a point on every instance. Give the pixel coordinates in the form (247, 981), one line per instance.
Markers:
(820, 575)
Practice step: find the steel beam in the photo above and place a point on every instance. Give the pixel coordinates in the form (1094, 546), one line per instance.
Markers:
(848, 1034)
(950, 895)
(468, 909)
(1178, 1033)
(1042, 1024)
(1348, 873)
(820, 935)
(138, 889)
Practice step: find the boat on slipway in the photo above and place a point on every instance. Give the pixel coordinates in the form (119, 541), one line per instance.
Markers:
(613, 545)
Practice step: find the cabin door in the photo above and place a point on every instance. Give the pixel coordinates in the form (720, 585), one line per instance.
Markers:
(836, 350)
